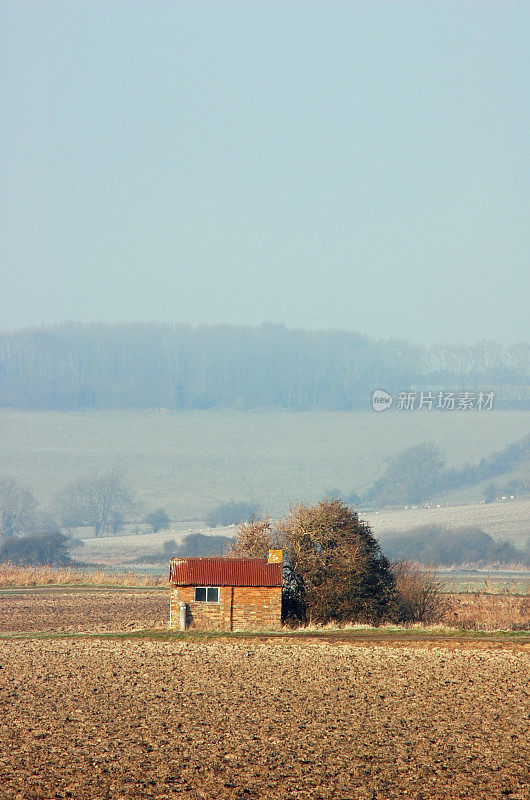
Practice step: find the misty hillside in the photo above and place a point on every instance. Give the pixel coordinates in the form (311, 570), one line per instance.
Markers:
(77, 366)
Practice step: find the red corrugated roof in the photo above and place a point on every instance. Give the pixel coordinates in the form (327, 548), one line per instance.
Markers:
(225, 572)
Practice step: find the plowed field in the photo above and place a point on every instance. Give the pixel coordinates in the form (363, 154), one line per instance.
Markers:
(73, 610)
(261, 719)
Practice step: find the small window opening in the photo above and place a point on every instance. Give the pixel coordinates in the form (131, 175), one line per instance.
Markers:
(206, 594)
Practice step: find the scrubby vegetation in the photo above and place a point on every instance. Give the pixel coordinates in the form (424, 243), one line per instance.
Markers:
(442, 546)
(335, 571)
(480, 611)
(418, 593)
(46, 548)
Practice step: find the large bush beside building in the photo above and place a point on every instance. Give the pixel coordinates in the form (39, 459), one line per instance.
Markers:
(334, 570)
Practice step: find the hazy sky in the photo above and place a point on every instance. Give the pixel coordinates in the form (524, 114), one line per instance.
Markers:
(348, 165)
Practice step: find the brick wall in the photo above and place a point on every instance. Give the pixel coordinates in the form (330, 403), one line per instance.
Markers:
(239, 608)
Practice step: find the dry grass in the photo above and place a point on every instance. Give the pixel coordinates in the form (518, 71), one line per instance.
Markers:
(487, 612)
(419, 592)
(19, 577)
(96, 609)
(478, 584)
(89, 607)
(388, 627)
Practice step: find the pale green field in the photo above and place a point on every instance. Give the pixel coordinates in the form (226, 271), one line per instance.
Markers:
(189, 461)
(509, 519)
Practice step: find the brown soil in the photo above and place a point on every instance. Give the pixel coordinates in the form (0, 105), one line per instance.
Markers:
(83, 609)
(259, 719)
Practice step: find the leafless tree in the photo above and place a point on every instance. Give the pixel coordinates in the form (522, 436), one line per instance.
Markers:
(253, 540)
(419, 592)
(97, 501)
(519, 358)
(17, 507)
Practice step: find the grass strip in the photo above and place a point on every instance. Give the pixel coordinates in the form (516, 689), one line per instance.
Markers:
(371, 634)
(91, 587)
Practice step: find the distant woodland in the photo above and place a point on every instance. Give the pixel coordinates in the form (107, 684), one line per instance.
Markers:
(83, 366)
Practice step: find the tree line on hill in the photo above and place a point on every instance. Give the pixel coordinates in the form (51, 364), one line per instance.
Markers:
(145, 365)
(447, 547)
(413, 476)
(419, 473)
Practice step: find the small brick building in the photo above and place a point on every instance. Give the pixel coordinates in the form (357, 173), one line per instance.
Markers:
(229, 594)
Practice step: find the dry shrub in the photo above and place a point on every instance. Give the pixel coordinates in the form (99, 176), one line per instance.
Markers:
(17, 576)
(253, 539)
(481, 611)
(419, 593)
(338, 561)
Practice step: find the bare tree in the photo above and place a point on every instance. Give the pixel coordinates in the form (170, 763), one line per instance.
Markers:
(489, 357)
(419, 592)
(157, 519)
(97, 501)
(17, 507)
(252, 540)
(460, 359)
